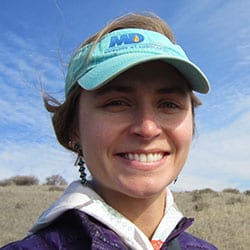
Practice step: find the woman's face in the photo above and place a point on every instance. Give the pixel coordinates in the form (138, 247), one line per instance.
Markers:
(135, 132)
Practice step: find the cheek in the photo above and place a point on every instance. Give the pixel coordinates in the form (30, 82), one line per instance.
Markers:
(183, 135)
(90, 133)
(95, 135)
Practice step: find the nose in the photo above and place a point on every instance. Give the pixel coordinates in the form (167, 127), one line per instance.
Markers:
(145, 125)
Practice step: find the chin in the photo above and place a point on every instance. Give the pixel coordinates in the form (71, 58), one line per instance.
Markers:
(145, 189)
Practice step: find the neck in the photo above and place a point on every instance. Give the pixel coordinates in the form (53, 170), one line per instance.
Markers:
(145, 213)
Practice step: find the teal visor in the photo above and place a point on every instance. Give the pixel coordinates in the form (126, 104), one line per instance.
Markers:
(92, 67)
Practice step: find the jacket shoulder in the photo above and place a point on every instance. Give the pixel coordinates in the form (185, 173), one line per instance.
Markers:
(73, 230)
(64, 233)
(188, 242)
(29, 243)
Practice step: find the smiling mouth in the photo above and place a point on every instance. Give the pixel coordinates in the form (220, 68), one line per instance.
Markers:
(150, 157)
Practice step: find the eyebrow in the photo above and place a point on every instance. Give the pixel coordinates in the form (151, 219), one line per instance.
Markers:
(114, 88)
(129, 89)
(172, 90)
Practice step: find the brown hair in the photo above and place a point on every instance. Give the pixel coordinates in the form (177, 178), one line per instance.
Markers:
(65, 116)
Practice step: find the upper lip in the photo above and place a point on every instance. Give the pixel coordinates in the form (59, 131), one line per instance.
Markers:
(148, 151)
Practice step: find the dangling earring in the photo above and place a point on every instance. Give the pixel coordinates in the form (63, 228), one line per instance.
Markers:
(80, 162)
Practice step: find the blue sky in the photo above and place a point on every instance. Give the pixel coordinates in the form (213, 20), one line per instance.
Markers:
(37, 39)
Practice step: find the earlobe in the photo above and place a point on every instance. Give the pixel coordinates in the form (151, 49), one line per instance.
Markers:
(74, 139)
(73, 145)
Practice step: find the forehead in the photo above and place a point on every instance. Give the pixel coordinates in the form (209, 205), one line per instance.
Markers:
(154, 75)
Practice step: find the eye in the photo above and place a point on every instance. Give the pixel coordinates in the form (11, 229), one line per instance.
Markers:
(116, 103)
(169, 105)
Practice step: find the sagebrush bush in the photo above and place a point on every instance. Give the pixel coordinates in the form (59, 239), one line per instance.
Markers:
(231, 190)
(6, 182)
(247, 192)
(20, 180)
(207, 191)
(56, 188)
(196, 196)
(234, 200)
(200, 206)
(55, 180)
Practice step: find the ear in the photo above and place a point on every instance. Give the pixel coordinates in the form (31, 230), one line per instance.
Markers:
(74, 139)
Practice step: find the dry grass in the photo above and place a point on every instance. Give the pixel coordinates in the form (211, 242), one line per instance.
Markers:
(20, 206)
(222, 218)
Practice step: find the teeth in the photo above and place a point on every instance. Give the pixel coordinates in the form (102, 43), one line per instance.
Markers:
(144, 157)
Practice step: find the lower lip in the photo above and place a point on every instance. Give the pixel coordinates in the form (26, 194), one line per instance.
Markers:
(144, 166)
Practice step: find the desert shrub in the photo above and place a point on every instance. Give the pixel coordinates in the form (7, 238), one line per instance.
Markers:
(207, 191)
(234, 200)
(196, 196)
(247, 192)
(200, 206)
(56, 188)
(6, 182)
(20, 205)
(231, 190)
(22, 180)
(55, 180)
(25, 180)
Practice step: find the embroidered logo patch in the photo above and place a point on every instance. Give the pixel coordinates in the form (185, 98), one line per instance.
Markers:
(126, 39)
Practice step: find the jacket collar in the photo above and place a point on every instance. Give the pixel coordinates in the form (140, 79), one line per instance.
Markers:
(83, 198)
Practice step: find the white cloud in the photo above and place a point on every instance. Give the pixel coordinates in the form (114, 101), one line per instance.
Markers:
(21, 69)
(216, 33)
(23, 111)
(35, 159)
(28, 145)
(220, 159)
(23, 63)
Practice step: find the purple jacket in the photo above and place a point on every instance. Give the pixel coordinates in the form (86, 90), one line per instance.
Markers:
(74, 230)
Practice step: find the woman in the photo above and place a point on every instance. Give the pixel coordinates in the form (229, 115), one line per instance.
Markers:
(129, 115)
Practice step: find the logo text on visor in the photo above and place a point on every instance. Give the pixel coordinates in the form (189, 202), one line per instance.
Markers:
(126, 39)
